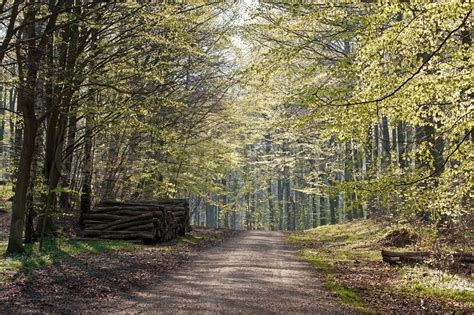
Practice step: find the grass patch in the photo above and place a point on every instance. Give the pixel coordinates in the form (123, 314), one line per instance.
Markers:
(317, 261)
(457, 295)
(427, 282)
(326, 245)
(55, 250)
(358, 244)
(344, 242)
(348, 296)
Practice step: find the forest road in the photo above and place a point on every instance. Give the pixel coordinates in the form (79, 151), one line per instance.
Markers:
(256, 272)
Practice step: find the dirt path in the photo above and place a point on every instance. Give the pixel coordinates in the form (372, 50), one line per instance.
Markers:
(253, 273)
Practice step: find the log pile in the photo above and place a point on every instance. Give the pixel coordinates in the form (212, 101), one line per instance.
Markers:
(414, 257)
(147, 220)
(465, 260)
(393, 257)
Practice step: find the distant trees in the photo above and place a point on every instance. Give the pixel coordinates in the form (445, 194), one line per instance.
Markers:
(369, 110)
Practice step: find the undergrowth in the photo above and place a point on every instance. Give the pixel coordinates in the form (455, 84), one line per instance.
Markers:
(358, 244)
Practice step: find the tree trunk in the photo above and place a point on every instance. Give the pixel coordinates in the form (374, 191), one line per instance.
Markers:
(287, 198)
(316, 210)
(333, 208)
(31, 212)
(280, 203)
(26, 104)
(17, 225)
(271, 208)
(402, 144)
(386, 158)
(67, 177)
(3, 92)
(86, 190)
(324, 209)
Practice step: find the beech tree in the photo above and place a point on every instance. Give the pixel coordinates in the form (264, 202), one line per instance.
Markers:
(284, 117)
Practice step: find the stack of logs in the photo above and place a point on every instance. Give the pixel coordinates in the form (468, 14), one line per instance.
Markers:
(147, 220)
(414, 257)
(393, 257)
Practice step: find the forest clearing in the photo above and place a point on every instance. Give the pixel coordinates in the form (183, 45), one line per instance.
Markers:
(236, 157)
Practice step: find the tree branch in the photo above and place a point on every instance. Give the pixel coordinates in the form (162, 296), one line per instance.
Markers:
(414, 74)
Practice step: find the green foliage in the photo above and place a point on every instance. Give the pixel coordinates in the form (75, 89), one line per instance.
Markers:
(6, 192)
(328, 76)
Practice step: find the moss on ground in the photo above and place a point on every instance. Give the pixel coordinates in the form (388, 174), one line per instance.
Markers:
(55, 250)
(327, 245)
(348, 296)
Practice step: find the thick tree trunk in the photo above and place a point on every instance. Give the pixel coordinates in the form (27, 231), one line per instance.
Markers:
(46, 222)
(17, 225)
(333, 208)
(26, 104)
(209, 215)
(31, 212)
(324, 209)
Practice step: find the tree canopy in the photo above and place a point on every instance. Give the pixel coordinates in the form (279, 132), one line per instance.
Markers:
(268, 115)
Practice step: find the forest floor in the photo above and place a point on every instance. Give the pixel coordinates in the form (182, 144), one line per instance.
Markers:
(228, 272)
(349, 258)
(71, 275)
(207, 271)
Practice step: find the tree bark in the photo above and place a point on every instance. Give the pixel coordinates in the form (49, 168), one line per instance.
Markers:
(26, 104)
(67, 177)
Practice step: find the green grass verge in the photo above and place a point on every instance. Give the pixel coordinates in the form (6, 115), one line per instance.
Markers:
(457, 295)
(349, 297)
